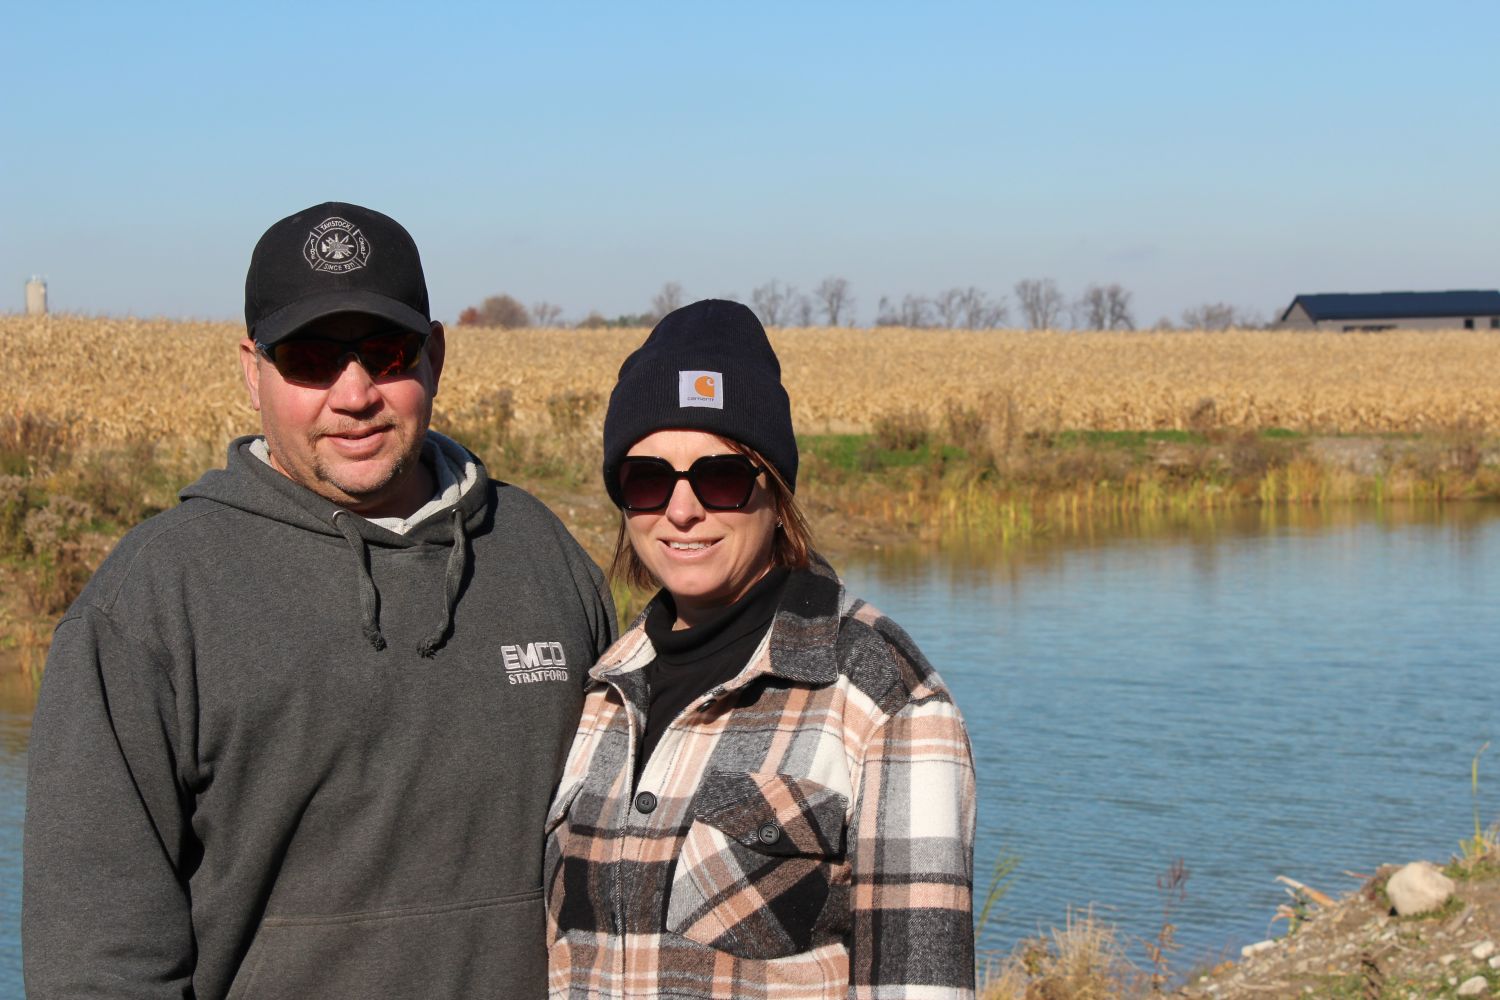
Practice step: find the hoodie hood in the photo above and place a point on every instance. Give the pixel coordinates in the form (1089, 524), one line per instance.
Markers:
(250, 484)
(247, 483)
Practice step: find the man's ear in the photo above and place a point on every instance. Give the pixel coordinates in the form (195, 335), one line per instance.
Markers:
(436, 350)
(250, 365)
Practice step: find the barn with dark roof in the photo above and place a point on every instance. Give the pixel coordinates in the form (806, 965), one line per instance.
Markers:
(1471, 310)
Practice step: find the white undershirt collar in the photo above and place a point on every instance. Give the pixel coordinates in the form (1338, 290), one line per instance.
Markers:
(438, 453)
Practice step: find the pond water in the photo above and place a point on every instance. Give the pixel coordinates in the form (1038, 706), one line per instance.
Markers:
(1257, 694)
(15, 729)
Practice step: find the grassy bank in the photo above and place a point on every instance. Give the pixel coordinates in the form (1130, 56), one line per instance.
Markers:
(961, 479)
(971, 474)
(913, 435)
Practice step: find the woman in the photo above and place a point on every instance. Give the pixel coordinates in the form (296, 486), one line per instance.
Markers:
(771, 792)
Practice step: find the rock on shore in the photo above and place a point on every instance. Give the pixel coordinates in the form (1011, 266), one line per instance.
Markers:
(1362, 947)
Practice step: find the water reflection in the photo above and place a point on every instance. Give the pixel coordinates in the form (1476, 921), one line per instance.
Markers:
(1258, 692)
(967, 562)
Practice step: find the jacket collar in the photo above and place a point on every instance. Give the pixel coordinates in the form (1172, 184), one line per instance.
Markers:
(803, 637)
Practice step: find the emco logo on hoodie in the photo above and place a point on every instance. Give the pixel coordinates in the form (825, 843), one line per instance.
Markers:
(535, 661)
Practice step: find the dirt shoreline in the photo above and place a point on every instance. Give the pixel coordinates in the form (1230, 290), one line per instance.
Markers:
(1355, 947)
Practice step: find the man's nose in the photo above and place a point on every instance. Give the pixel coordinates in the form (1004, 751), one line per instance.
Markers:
(353, 389)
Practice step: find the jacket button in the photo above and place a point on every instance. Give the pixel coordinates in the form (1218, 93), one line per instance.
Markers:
(645, 802)
(768, 834)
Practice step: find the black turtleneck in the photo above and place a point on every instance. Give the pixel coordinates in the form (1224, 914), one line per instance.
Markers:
(690, 662)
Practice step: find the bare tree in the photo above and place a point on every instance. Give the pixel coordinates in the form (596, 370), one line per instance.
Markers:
(968, 309)
(948, 305)
(1117, 308)
(803, 308)
(1104, 307)
(914, 312)
(1090, 311)
(1041, 302)
(790, 304)
(977, 312)
(1218, 316)
(771, 302)
(833, 294)
(664, 301)
(546, 314)
(503, 311)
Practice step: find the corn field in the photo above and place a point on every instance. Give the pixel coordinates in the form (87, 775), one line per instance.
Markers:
(110, 380)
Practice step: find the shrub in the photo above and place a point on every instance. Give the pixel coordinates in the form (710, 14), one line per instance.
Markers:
(13, 508)
(28, 441)
(571, 410)
(60, 556)
(902, 430)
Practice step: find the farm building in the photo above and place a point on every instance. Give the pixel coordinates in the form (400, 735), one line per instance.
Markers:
(1391, 310)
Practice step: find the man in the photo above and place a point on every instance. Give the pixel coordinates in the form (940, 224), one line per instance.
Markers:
(297, 736)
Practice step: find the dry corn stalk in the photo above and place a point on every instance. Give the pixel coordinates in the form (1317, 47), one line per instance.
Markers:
(114, 380)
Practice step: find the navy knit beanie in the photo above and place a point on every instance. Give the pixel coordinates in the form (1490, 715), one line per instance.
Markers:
(706, 367)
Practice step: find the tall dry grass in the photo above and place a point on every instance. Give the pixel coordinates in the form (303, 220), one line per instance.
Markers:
(1083, 960)
(107, 380)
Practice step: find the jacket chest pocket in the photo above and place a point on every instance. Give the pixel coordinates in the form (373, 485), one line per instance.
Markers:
(762, 873)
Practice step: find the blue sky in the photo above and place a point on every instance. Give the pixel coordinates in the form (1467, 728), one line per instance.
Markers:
(585, 154)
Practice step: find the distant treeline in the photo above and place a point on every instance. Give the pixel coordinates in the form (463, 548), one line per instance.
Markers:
(1040, 305)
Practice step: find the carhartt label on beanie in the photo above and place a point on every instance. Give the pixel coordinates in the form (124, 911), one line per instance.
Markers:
(700, 389)
(708, 366)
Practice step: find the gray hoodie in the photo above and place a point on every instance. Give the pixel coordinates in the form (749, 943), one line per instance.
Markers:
(281, 751)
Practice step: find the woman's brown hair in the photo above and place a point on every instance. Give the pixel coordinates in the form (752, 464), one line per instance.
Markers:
(792, 546)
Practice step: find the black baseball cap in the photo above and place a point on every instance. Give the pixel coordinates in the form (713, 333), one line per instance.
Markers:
(334, 258)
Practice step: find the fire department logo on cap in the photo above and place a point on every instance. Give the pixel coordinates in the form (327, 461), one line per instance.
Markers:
(336, 245)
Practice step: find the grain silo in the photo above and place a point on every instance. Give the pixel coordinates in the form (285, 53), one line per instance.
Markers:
(36, 297)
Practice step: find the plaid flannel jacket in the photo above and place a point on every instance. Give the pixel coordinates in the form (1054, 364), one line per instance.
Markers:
(804, 831)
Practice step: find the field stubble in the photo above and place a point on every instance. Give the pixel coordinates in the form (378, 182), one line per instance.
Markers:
(109, 381)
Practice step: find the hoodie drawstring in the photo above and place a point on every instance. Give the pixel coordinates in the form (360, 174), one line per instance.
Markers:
(369, 598)
(458, 561)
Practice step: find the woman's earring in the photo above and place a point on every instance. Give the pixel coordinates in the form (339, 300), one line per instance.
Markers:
(778, 522)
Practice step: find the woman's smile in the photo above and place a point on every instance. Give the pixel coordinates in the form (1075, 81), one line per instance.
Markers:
(706, 559)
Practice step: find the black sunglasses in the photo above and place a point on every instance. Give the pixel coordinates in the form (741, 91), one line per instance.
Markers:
(720, 482)
(318, 361)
